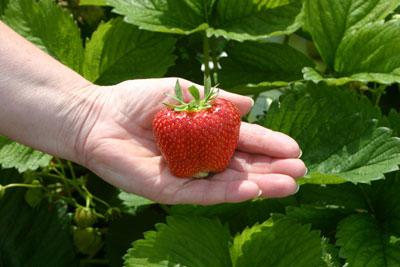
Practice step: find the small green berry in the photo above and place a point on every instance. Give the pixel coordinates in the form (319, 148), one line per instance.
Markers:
(87, 240)
(84, 217)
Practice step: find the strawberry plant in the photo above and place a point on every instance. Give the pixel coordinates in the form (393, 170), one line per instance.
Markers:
(325, 72)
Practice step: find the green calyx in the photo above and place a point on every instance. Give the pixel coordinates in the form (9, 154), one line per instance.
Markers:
(197, 103)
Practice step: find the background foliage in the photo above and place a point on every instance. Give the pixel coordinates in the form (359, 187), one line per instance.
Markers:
(325, 72)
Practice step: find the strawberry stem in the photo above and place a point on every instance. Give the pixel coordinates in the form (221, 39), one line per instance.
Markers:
(206, 57)
(210, 93)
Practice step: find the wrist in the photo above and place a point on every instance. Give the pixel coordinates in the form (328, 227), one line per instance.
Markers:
(48, 116)
(43, 104)
(77, 114)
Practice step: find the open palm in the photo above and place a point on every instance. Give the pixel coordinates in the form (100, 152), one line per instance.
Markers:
(117, 143)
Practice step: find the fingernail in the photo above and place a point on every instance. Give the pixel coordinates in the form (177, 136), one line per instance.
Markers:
(259, 193)
(297, 190)
(301, 154)
(252, 101)
(306, 172)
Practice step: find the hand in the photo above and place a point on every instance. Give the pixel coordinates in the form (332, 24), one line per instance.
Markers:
(116, 142)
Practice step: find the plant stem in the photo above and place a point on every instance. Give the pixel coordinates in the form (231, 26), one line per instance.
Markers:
(379, 92)
(88, 200)
(61, 174)
(70, 201)
(206, 58)
(64, 176)
(71, 169)
(61, 166)
(22, 185)
(95, 197)
(65, 180)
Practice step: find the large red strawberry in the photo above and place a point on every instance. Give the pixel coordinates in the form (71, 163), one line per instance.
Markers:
(199, 137)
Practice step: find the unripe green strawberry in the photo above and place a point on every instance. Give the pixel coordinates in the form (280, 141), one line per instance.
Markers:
(196, 141)
(87, 240)
(84, 217)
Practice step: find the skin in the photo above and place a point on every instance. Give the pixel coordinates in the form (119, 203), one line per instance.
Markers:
(107, 129)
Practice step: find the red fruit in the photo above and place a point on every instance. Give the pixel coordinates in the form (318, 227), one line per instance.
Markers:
(196, 140)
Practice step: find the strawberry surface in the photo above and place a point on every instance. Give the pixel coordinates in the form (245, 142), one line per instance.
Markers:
(196, 143)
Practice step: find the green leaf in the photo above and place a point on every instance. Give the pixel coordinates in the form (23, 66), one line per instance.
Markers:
(394, 121)
(385, 200)
(47, 25)
(329, 21)
(237, 215)
(362, 160)
(92, 2)
(253, 89)
(183, 241)
(44, 231)
(33, 196)
(182, 17)
(194, 92)
(3, 6)
(245, 236)
(370, 49)
(347, 196)
(119, 51)
(132, 202)
(330, 254)
(23, 158)
(178, 92)
(362, 243)
(253, 20)
(238, 20)
(123, 230)
(253, 63)
(381, 199)
(277, 242)
(322, 218)
(311, 74)
(346, 146)
(263, 103)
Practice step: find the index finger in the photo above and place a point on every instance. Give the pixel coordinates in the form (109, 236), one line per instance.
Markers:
(259, 140)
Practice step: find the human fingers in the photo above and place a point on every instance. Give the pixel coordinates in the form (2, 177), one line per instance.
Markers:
(257, 163)
(271, 185)
(259, 140)
(214, 191)
(277, 185)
